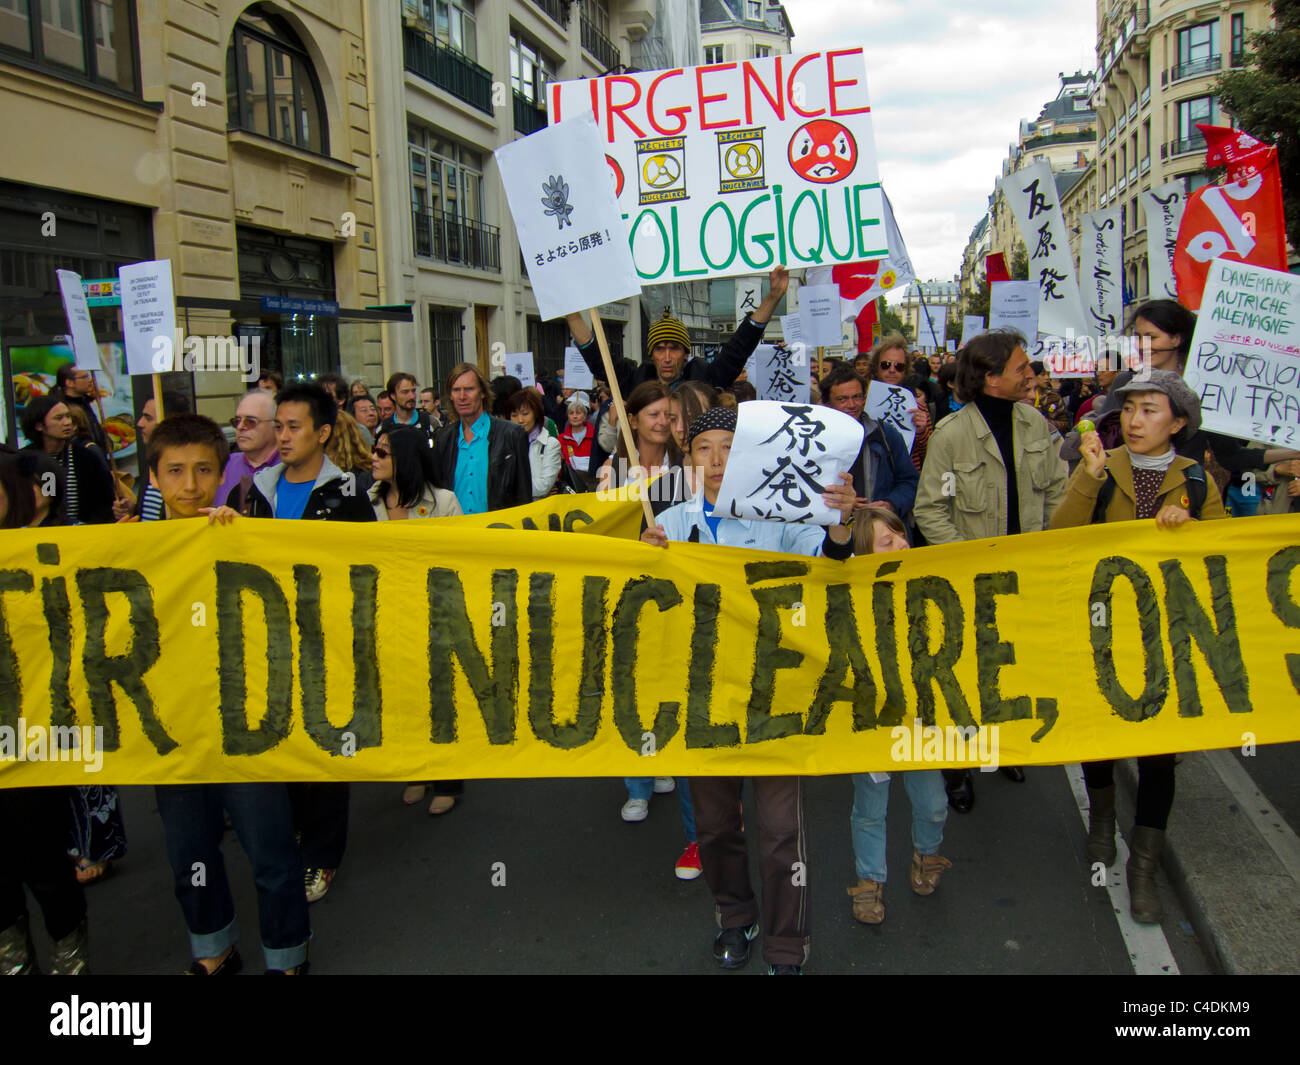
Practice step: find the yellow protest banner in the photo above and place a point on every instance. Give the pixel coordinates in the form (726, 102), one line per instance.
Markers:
(410, 650)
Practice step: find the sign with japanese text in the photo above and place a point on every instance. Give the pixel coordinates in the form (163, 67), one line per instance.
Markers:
(781, 373)
(732, 168)
(893, 405)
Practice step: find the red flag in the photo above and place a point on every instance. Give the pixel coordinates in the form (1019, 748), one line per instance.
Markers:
(865, 321)
(995, 268)
(1241, 221)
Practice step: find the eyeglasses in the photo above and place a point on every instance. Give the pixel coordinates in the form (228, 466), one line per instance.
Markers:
(380, 452)
(246, 422)
(893, 365)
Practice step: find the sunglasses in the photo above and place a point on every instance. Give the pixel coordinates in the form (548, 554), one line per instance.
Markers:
(246, 422)
(380, 452)
(893, 365)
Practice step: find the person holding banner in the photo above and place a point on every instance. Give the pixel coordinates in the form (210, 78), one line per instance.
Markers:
(307, 485)
(187, 453)
(668, 347)
(1146, 478)
(779, 800)
(649, 415)
(877, 531)
(992, 470)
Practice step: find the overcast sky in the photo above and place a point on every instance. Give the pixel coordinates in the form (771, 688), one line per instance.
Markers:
(949, 86)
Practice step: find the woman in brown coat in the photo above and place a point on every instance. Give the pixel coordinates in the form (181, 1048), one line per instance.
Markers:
(1143, 479)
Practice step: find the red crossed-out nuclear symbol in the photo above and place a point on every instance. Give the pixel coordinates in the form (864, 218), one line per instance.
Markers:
(823, 151)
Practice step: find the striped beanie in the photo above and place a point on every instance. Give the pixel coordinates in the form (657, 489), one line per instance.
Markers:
(667, 329)
(714, 419)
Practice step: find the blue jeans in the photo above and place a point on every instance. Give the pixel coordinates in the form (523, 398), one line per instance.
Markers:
(929, 802)
(1241, 504)
(263, 819)
(644, 787)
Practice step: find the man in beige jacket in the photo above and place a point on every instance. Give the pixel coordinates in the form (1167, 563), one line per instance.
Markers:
(991, 469)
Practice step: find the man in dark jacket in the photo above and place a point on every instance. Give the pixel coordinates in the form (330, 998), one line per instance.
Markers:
(483, 459)
(78, 387)
(306, 484)
(404, 389)
(668, 347)
(883, 474)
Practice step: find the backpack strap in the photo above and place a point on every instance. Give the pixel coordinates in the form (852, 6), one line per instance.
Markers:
(1104, 496)
(1196, 489)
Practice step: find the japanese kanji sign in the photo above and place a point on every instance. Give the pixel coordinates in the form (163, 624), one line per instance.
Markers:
(783, 457)
(781, 372)
(893, 405)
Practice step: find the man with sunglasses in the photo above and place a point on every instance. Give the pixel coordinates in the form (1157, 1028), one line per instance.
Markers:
(254, 423)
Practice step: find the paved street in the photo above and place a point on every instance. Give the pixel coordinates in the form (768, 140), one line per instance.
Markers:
(587, 893)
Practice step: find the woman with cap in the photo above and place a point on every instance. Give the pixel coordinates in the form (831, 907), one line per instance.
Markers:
(524, 408)
(1145, 478)
(578, 434)
(779, 799)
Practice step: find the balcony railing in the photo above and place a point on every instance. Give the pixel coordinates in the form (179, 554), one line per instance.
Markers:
(1123, 183)
(1122, 121)
(596, 43)
(447, 68)
(556, 10)
(1132, 174)
(529, 118)
(1187, 145)
(1237, 58)
(1196, 68)
(449, 239)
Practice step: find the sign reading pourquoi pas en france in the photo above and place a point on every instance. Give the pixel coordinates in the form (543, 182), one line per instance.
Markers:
(731, 168)
(409, 651)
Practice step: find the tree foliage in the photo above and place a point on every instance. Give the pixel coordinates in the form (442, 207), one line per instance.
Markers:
(1264, 98)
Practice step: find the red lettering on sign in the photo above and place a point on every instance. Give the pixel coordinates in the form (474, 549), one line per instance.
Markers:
(678, 113)
(792, 96)
(699, 88)
(750, 77)
(555, 101)
(836, 83)
(612, 109)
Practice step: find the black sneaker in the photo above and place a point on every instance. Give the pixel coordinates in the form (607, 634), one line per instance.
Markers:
(731, 948)
(231, 966)
(785, 970)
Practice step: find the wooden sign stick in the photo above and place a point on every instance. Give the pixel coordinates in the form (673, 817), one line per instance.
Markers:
(629, 441)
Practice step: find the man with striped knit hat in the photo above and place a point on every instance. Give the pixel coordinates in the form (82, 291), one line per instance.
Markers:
(668, 347)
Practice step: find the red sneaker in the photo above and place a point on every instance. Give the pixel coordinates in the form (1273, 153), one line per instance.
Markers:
(688, 865)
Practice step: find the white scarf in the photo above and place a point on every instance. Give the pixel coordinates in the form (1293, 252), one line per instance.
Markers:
(1151, 462)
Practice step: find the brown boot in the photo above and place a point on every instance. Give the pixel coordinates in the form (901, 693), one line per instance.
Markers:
(1143, 860)
(1101, 825)
(868, 906)
(926, 870)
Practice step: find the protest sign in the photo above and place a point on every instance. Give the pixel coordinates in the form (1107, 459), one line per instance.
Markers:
(1101, 271)
(931, 325)
(545, 654)
(1014, 305)
(82, 332)
(732, 168)
(1031, 192)
(952, 344)
(520, 364)
(782, 373)
(792, 330)
(893, 405)
(570, 229)
(819, 315)
(972, 325)
(1245, 358)
(1163, 208)
(576, 374)
(861, 284)
(148, 316)
(749, 294)
(783, 457)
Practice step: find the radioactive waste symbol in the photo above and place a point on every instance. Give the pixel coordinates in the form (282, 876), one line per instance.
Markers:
(661, 169)
(740, 160)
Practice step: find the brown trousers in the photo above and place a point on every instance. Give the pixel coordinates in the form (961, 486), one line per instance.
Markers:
(783, 860)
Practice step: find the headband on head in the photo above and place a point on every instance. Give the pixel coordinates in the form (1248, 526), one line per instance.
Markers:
(716, 419)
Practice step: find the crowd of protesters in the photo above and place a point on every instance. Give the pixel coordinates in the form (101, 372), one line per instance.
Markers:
(995, 441)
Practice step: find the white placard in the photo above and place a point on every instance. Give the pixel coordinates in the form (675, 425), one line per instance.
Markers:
(893, 405)
(1014, 305)
(84, 345)
(931, 325)
(782, 373)
(749, 294)
(571, 231)
(1101, 271)
(711, 163)
(972, 325)
(1031, 192)
(148, 316)
(819, 316)
(783, 457)
(792, 330)
(576, 374)
(1163, 208)
(952, 344)
(1245, 358)
(520, 365)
